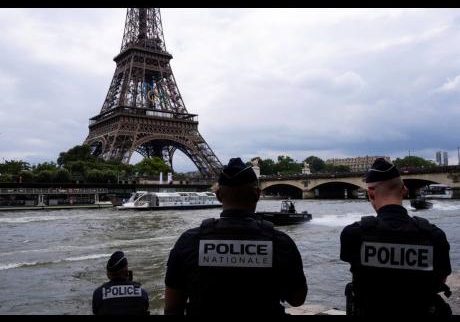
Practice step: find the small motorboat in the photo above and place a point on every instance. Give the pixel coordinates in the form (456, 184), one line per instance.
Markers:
(287, 216)
(420, 203)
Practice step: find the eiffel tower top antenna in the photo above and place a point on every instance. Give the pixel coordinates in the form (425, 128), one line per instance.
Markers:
(143, 29)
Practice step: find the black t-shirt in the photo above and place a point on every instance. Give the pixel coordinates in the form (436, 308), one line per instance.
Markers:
(395, 264)
(120, 296)
(233, 273)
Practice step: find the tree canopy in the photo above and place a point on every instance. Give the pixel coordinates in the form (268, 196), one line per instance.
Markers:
(413, 162)
(316, 164)
(78, 164)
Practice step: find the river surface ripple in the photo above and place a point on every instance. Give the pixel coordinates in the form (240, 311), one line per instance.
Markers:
(51, 261)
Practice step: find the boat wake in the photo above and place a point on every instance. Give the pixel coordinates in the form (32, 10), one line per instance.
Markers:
(23, 220)
(440, 206)
(68, 259)
(338, 220)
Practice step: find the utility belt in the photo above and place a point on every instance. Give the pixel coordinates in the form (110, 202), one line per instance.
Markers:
(438, 307)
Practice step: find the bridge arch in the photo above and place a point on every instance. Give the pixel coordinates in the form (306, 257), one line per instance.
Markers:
(283, 190)
(356, 182)
(336, 190)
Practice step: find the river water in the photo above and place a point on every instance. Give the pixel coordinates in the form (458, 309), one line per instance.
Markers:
(51, 261)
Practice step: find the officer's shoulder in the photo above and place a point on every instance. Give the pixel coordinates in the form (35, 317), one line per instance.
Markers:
(281, 236)
(99, 289)
(436, 232)
(354, 228)
(190, 234)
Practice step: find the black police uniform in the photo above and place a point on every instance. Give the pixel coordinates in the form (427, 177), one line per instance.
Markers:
(235, 265)
(397, 261)
(120, 296)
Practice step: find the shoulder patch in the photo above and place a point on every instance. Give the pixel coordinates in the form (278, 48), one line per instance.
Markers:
(117, 291)
(397, 256)
(236, 253)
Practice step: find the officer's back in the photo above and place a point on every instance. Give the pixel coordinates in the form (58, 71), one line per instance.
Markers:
(235, 264)
(120, 295)
(399, 263)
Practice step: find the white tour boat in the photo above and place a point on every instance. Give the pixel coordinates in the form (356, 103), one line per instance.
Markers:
(437, 191)
(148, 200)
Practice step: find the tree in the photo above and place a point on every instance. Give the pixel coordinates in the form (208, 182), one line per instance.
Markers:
(267, 167)
(94, 176)
(13, 167)
(62, 176)
(287, 165)
(27, 176)
(45, 176)
(51, 166)
(77, 153)
(316, 164)
(330, 168)
(413, 162)
(151, 167)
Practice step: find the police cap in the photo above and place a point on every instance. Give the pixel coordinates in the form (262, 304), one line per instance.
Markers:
(381, 170)
(236, 173)
(117, 261)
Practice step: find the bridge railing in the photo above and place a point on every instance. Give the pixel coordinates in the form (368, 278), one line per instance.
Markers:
(403, 171)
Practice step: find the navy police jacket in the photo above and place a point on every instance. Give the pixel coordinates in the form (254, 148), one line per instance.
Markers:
(398, 262)
(119, 297)
(235, 265)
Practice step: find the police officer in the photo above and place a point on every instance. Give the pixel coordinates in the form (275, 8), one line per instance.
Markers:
(236, 264)
(120, 295)
(399, 263)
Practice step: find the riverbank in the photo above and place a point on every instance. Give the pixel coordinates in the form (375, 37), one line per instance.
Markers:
(57, 207)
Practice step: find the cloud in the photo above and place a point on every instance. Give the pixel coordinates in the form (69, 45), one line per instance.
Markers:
(451, 85)
(332, 83)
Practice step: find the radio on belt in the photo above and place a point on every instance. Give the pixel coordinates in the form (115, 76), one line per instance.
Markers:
(398, 256)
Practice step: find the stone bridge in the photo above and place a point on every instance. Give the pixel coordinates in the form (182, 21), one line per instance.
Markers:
(308, 186)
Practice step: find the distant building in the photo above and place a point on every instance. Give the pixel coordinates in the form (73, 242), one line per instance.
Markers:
(357, 164)
(438, 158)
(445, 158)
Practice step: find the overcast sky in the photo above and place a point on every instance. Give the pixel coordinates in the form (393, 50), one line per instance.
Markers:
(264, 82)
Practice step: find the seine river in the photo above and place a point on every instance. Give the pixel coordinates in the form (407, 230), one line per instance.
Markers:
(51, 261)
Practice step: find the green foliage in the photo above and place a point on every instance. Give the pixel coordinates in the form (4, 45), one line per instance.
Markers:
(329, 168)
(45, 176)
(62, 176)
(286, 165)
(27, 176)
(13, 167)
(413, 162)
(77, 153)
(316, 164)
(77, 164)
(51, 166)
(5, 177)
(151, 167)
(101, 176)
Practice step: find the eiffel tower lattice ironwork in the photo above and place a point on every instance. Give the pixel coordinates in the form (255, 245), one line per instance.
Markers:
(143, 110)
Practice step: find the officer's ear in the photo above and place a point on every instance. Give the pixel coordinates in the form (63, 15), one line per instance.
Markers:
(371, 193)
(404, 191)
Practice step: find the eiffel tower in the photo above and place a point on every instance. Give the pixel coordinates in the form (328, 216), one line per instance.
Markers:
(143, 110)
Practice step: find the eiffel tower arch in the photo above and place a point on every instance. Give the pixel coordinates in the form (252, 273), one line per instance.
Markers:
(143, 111)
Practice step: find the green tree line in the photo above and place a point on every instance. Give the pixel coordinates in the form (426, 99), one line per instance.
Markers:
(79, 165)
(285, 165)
